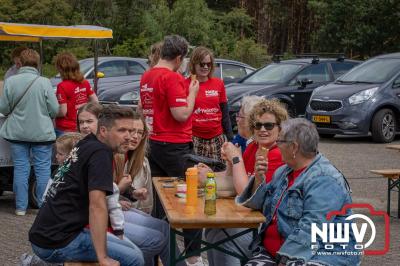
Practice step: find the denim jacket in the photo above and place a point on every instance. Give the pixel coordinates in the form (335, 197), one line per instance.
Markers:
(318, 190)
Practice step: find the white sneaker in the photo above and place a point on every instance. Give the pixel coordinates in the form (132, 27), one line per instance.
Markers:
(199, 262)
(20, 213)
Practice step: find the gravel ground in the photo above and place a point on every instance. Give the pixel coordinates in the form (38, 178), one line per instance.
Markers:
(353, 156)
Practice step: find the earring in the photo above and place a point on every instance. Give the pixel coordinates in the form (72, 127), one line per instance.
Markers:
(294, 155)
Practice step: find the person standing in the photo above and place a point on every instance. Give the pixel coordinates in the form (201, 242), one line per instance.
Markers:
(30, 104)
(73, 92)
(15, 57)
(167, 105)
(77, 198)
(211, 123)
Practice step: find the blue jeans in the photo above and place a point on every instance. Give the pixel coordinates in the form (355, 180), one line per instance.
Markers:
(150, 234)
(82, 249)
(217, 258)
(41, 160)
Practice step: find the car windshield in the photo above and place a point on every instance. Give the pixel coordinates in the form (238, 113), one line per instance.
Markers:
(273, 73)
(372, 71)
(86, 65)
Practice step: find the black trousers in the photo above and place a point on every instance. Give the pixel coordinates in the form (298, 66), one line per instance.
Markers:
(166, 159)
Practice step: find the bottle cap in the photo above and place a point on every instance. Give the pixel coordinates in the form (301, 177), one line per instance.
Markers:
(210, 175)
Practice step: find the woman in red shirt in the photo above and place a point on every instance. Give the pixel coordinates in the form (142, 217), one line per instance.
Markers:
(73, 92)
(210, 120)
(264, 123)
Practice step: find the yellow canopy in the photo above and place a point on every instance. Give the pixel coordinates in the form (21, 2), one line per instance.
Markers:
(36, 33)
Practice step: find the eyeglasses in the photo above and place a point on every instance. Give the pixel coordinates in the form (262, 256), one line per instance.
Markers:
(238, 116)
(281, 141)
(203, 65)
(267, 125)
(140, 133)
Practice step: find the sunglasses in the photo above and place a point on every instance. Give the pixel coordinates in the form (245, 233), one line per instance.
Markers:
(267, 125)
(203, 65)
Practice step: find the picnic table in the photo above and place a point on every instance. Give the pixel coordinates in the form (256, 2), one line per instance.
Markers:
(393, 147)
(229, 215)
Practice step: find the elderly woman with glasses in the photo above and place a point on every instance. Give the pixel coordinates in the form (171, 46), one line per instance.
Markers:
(302, 192)
(264, 123)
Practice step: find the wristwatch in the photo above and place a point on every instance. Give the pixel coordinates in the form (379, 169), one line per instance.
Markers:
(235, 160)
(283, 260)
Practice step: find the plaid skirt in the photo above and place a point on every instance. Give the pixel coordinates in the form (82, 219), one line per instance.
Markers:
(210, 148)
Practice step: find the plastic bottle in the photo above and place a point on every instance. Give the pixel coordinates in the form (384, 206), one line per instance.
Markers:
(210, 206)
(191, 186)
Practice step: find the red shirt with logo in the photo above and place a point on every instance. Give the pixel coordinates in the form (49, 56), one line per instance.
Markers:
(161, 89)
(207, 115)
(273, 240)
(274, 160)
(74, 94)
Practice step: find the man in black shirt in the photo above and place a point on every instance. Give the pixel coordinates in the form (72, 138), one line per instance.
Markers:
(72, 222)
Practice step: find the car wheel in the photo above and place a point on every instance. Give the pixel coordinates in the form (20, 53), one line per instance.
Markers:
(290, 109)
(33, 200)
(327, 136)
(383, 127)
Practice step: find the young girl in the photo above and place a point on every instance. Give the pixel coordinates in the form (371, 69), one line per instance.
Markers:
(73, 92)
(64, 146)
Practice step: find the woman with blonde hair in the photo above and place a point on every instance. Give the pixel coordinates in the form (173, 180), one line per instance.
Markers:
(264, 123)
(72, 93)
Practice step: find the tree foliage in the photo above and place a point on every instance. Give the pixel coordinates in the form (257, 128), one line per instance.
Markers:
(247, 30)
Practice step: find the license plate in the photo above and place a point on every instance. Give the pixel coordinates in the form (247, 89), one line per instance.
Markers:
(321, 118)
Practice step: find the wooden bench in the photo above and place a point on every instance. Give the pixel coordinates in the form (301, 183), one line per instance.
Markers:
(393, 177)
(81, 264)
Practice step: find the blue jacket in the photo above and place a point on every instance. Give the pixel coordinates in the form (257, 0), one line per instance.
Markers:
(318, 190)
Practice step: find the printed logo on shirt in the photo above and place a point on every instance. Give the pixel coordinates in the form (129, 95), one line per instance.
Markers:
(144, 88)
(206, 111)
(59, 176)
(211, 93)
(180, 100)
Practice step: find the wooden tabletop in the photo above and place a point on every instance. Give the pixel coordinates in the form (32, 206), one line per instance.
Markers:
(229, 215)
(389, 173)
(393, 147)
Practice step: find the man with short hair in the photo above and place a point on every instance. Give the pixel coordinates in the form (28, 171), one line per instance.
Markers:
(72, 222)
(15, 54)
(167, 104)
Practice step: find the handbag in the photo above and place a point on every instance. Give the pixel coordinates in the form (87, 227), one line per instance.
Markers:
(20, 98)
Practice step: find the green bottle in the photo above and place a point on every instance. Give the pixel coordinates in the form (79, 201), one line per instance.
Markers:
(210, 206)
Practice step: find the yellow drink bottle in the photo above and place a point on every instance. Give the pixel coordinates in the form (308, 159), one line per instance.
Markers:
(210, 206)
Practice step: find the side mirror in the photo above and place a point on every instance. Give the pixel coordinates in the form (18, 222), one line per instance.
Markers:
(100, 75)
(304, 83)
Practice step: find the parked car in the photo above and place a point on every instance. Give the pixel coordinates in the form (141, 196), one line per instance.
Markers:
(290, 81)
(227, 70)
(364, 100)
(116, 72)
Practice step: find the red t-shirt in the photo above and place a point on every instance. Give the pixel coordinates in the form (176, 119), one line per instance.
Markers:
(74, 94)
(207, 115)
(272, 238)
(274, 160)
(161, 89)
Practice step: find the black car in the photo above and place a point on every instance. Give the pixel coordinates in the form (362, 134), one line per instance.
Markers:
(364, 100)
(290, 81)
(227, 70)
